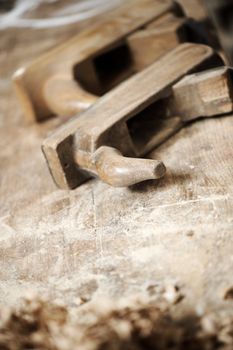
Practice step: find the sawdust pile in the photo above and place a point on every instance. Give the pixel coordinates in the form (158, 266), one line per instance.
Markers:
(131, 324)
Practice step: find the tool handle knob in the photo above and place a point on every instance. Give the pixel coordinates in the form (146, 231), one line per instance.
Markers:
(119, 171)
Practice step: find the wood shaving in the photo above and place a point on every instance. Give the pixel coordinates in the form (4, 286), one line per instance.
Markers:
(129, 324)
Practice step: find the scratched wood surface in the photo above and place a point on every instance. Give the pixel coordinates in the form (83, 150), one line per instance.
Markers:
(97, 239)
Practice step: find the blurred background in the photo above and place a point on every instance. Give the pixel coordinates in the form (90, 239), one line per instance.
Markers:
(50, 13)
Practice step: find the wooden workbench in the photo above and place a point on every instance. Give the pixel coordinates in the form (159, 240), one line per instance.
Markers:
(100, 240)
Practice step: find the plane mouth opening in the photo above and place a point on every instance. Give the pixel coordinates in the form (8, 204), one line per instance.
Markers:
(100, 74)
(145, 126)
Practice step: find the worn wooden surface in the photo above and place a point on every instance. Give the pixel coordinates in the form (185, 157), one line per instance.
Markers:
(97, 239)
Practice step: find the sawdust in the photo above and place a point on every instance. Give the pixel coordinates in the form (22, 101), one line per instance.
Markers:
(129, 324)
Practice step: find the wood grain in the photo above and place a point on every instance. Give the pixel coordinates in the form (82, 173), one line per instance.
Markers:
(98, 240)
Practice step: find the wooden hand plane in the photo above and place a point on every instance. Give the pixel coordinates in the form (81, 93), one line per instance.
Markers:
(138, 115)
(71, 77)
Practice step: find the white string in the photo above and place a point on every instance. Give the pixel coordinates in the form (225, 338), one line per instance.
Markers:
(72, 13)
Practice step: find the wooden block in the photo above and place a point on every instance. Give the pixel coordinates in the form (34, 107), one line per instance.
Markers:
(175, 12)
(149, 45)
(194, 8)
(163, 20)
(203, 94)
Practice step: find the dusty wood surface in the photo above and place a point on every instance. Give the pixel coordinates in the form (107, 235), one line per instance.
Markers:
(97, 239)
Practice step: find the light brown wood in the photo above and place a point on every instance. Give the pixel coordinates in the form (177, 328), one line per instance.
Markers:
(163, 20)
(35, 82)
(150, 44)
(194, 8)
(203, 95)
